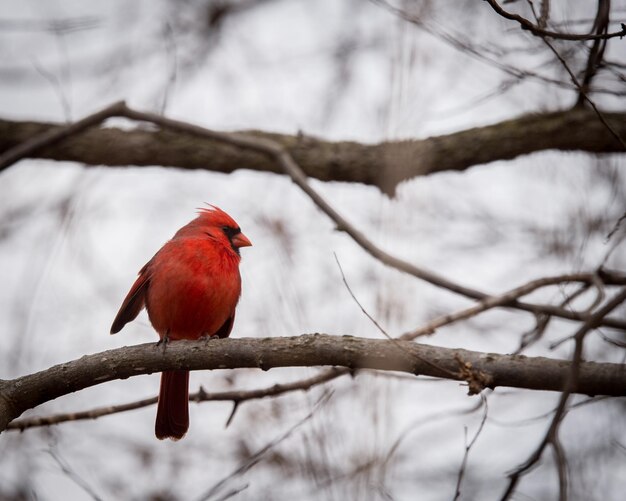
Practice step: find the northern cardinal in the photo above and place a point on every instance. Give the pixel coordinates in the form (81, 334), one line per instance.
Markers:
(190, 289)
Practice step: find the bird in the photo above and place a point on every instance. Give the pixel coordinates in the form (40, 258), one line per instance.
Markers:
(190, 289)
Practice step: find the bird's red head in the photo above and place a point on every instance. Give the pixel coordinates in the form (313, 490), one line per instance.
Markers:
(218, 225)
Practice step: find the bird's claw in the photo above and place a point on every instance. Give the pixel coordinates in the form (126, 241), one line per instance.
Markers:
(208, 337)
(164, 341)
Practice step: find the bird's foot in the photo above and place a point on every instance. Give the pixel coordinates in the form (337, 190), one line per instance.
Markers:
(164, 341)
(206, 337)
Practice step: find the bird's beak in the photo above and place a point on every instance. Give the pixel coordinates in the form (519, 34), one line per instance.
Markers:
(240, 240)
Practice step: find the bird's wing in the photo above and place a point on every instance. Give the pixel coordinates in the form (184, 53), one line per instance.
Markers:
(134, 301)
(224, 330)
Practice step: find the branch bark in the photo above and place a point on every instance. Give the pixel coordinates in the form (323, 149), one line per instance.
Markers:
(478, 369)
(383, 165)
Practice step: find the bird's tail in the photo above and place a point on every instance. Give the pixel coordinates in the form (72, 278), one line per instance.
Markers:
(172, 419)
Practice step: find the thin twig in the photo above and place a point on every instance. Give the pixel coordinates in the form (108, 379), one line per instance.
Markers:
(533, 336)
(257, 456)
(363, 310)
(478, 53)
(58, 89)
(233, 492)
(435, 417)
(37, 143)
(383, 331)
(542, 22)
(561, 465)
(583, 93)
(534, 419)
(172, 54)
(614, 342)
(615, 228)
(540, 32)
(469, 446)
(495, 301)
(72, 475)
(596, 53)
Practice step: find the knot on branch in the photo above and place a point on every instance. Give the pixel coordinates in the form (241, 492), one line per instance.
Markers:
(476, 379)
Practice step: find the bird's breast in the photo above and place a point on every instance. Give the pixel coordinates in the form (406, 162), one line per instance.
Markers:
(194, 288)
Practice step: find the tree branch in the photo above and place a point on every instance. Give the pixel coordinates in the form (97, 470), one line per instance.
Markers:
(486, 369)
(383, 165)
(37, 142)
(477, 52)
(595, 58)
(525, 24)
(468, 447)
(499, 300)
(596, 53)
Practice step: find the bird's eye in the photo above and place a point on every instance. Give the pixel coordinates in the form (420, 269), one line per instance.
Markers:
(230, 232)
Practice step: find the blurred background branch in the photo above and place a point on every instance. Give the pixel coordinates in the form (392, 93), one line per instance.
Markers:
(383, 165)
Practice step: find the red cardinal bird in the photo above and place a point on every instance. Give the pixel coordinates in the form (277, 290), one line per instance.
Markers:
(190, 288)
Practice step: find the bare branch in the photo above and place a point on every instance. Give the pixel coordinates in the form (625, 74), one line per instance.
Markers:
(53, 135)
(540, 32)
(479, 53)
(535, 373)
(542, 321)
(596, 54)
(383, 165)
(616, 227)
(257, 456)
(57, 26)
(468, 447)
(373, 320)
(584, 95)
(358, 303)
(541, 417)
(497, 300)
(594, 59)
(542, 21)
(233, 492)
(561, 466)
(72, 475)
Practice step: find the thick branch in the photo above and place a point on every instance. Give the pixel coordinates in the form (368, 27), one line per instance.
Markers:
(488, 370)
(383, 165)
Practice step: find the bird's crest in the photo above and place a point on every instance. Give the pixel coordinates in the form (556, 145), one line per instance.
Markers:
(214, 215)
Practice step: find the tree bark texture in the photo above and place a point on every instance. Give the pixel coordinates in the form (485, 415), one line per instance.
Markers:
(383, 165)
(479, 370)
